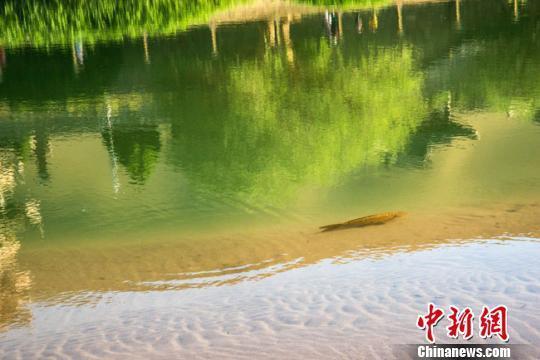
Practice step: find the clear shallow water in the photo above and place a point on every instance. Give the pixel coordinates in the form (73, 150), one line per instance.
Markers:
(210, 156)
(334, 309)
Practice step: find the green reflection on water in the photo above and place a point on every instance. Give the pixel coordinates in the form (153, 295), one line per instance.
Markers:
(195, 129)
(225, 129)
(313, 124)
(136, 149)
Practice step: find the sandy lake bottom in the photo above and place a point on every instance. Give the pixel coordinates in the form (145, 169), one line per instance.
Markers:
(348, 308)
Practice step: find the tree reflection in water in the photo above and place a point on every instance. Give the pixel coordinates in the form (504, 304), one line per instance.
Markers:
(15, 282)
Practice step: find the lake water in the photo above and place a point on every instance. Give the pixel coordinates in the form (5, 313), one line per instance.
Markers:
(163, 178)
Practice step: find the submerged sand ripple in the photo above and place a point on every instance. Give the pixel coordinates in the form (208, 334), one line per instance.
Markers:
(357, 309)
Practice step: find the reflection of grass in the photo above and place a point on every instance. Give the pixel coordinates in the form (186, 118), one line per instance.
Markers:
(42, 23)
(59, 22)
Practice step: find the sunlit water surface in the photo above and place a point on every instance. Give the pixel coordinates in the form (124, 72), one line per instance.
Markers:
(161, 191)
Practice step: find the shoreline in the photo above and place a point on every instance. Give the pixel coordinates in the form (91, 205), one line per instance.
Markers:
(141, 265)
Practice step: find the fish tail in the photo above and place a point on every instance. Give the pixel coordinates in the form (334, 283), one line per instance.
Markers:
(330, 227)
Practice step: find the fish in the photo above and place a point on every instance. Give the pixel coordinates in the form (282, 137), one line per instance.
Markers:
(375, 219)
